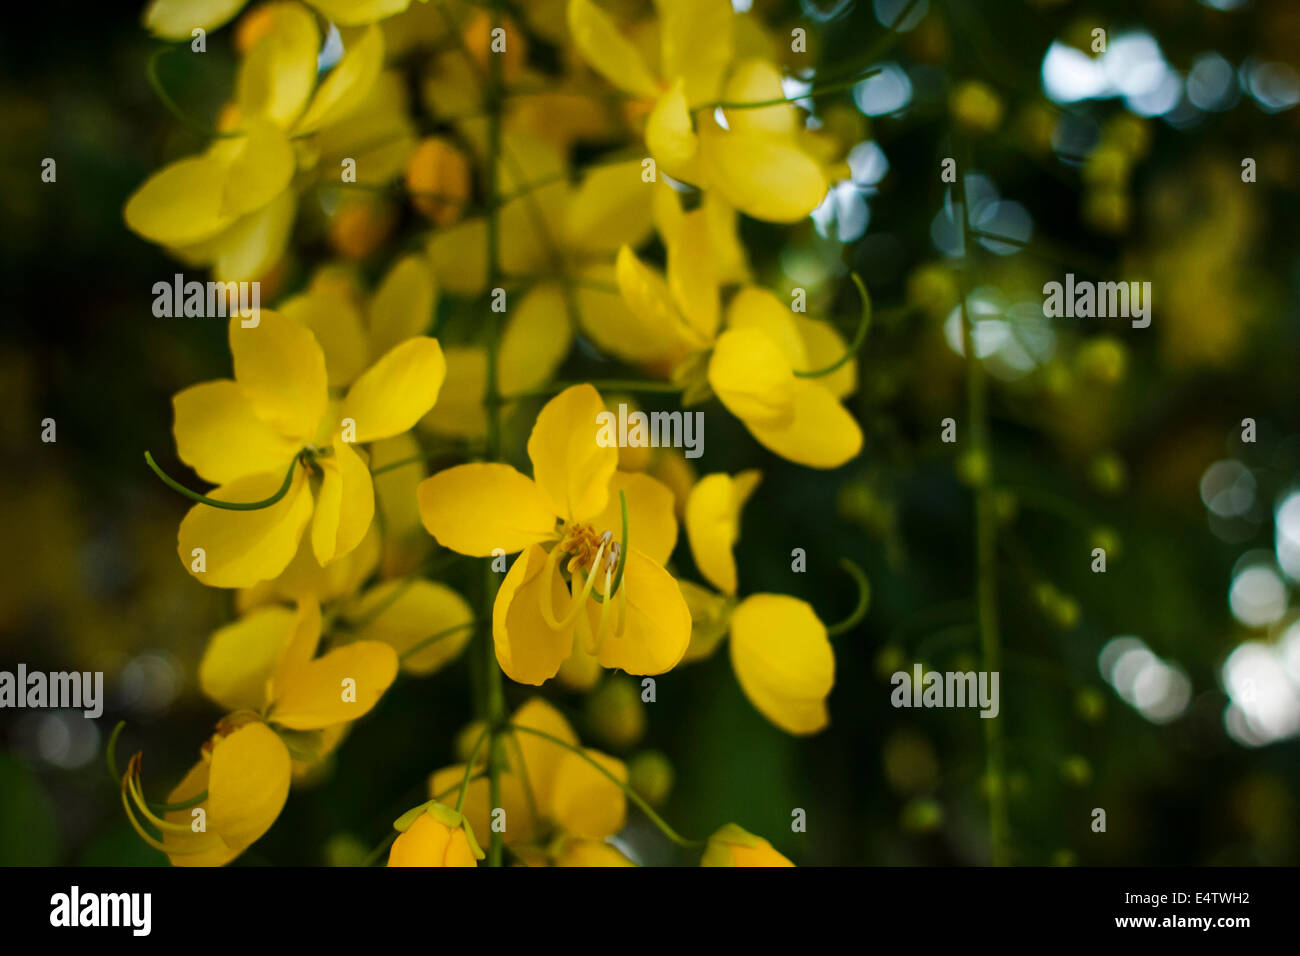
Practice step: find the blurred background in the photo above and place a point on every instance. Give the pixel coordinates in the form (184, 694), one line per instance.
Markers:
(1165, 691)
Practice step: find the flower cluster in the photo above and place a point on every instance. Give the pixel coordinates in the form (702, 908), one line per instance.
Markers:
(417, 191)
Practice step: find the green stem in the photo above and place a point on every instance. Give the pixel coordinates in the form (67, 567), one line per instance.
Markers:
(985, 531)
(176, 486)
(496, 707)
(631, 794)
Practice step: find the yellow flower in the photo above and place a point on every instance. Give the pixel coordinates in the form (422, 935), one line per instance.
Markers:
(550, 595)
(758, 161)
(287, 704)
(438, 836)
(780, 651)
(753, 364)
(274, 426)
(232, 207)
(733, 846)
(570, 796)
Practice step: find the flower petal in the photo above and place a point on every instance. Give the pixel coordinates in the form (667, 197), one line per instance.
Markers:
(585, 802)
(657, 628)
(181, 203)
(528, 649)
(278, 74)
(610, 209)
(568, 464)
(338, 687)
(394, 393)
(241, 657)
(713, 524)
(281, 368)
(404, 614)
(762, 175)
(403, 304)
(241, 548)
(651, 517)
(820, 433)
(783, 661)
(348, 84)
(345, 506)
(336, 324)
(610, 53)
(221, 438)
(474, 509)
(247, 784)
(752, 377)
(174, 19)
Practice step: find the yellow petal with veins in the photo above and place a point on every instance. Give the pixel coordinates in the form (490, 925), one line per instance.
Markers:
(569, 465)
(474, 509)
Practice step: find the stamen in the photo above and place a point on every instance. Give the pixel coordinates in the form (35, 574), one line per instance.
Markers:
(575, 608)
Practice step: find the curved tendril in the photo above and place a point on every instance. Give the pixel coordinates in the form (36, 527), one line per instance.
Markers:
(622, 556)
(173, 107)
(864, 322)
(864, 598)
(627, 790)
(176, 486)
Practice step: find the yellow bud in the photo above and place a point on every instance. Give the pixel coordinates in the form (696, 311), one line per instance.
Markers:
(733, 846)
(509, 44)
(433, 840)
(437, 177)
(360, 227)
(651, 775)
(615, 712)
